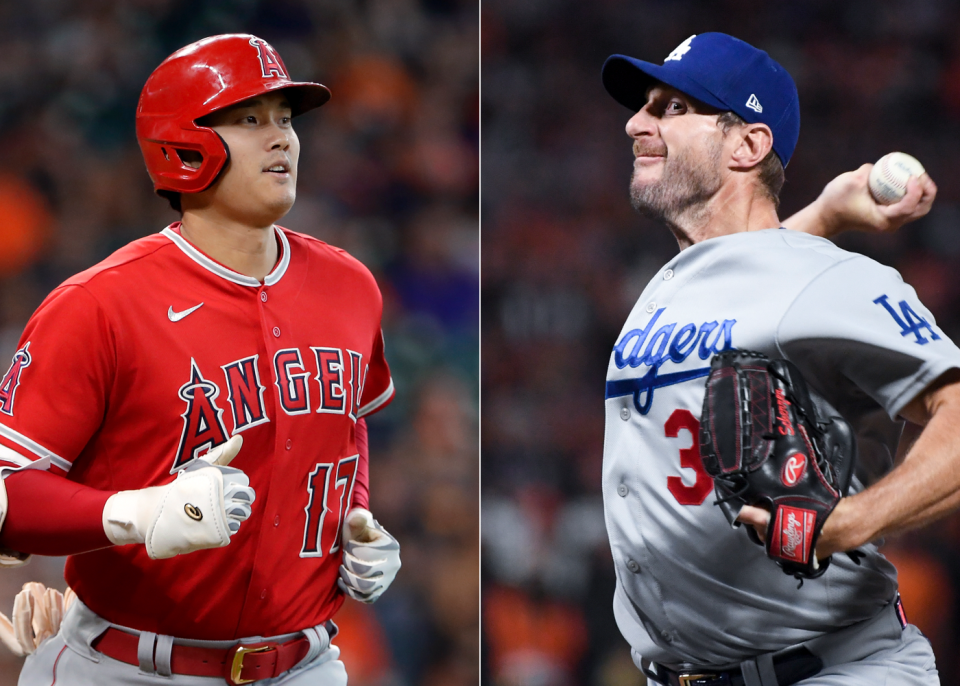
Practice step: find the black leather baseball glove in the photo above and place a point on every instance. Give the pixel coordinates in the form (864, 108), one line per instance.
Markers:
(764, 443)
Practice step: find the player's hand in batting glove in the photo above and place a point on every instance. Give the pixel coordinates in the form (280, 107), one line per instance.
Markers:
(765, 445)
(37, 613)
(202, 508)
(371, 557)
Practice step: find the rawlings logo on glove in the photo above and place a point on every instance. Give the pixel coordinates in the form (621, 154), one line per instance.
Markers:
(793, 469)
(764, 443)
(793, 534)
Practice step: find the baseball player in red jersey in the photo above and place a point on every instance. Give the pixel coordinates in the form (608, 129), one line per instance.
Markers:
(156, 362)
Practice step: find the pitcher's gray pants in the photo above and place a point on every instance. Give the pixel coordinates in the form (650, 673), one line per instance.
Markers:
(876, 652)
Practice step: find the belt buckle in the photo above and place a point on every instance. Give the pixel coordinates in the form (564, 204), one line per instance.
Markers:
(689, 679)
(239, 652)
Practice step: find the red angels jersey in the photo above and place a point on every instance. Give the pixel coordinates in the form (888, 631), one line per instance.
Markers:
(147, 360)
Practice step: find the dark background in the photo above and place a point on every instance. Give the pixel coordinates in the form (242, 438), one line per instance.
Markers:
(388, 171)
(565, 257)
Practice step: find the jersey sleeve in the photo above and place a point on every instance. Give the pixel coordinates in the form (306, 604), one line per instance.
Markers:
(361, 487)
(53, 396)
(858, 324)
(378, 385)
(31, 526)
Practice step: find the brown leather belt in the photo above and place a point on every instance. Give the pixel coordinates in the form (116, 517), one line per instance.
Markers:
(241, 664)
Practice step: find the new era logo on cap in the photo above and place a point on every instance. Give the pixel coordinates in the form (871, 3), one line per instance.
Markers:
(754, 104)
(680, 50)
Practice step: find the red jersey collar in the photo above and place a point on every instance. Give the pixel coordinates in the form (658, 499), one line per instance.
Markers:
(173, 233)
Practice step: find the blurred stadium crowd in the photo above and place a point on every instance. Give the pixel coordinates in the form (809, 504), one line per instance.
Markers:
(388, 171)
(565, 257)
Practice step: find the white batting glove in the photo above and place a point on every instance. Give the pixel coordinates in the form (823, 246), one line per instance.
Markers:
(371, 557)
(37, 613)
(202, 508)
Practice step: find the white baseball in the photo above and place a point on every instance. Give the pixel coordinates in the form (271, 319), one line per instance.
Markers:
(888, 178)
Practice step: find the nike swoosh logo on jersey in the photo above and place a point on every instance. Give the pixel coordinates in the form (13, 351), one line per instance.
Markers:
(177, 316)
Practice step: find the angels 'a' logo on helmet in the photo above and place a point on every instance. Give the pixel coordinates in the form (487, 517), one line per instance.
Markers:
(793, 469)
(269, 60)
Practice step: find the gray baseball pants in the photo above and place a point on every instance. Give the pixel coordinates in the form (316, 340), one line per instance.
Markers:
(68, 659)
(875, 652)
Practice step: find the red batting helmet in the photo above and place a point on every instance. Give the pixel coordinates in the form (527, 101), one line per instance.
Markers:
(194, 81)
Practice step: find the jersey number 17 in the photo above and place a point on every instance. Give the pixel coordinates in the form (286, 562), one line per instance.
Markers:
(330, 489)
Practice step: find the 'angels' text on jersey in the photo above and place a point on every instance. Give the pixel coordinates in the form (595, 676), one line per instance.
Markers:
(115, 392)
(338, 374)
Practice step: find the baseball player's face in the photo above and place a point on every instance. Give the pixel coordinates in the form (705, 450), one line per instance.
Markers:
(678, 149)
(259, 183)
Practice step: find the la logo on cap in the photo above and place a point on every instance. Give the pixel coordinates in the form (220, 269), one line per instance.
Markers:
(680, 50)
(754, 104)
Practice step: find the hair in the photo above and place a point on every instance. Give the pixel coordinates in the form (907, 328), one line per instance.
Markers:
(771, 169)
(173, 198)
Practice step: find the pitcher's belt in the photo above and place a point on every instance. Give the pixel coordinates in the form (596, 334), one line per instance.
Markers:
(241, 664)
(791, 667)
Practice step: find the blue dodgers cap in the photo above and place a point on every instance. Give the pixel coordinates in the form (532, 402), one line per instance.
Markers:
(723, 72)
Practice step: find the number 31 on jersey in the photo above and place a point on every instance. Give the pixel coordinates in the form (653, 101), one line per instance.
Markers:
(689, 458)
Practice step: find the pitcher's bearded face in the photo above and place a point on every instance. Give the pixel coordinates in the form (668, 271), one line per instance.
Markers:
(687, 177)
(678, 150)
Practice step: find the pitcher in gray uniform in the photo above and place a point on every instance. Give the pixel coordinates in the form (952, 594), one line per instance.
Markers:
(698, 601)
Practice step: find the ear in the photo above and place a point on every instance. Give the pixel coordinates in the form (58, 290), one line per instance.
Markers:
(752, 143)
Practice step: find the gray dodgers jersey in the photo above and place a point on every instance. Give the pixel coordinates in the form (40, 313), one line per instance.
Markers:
(691, 589)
